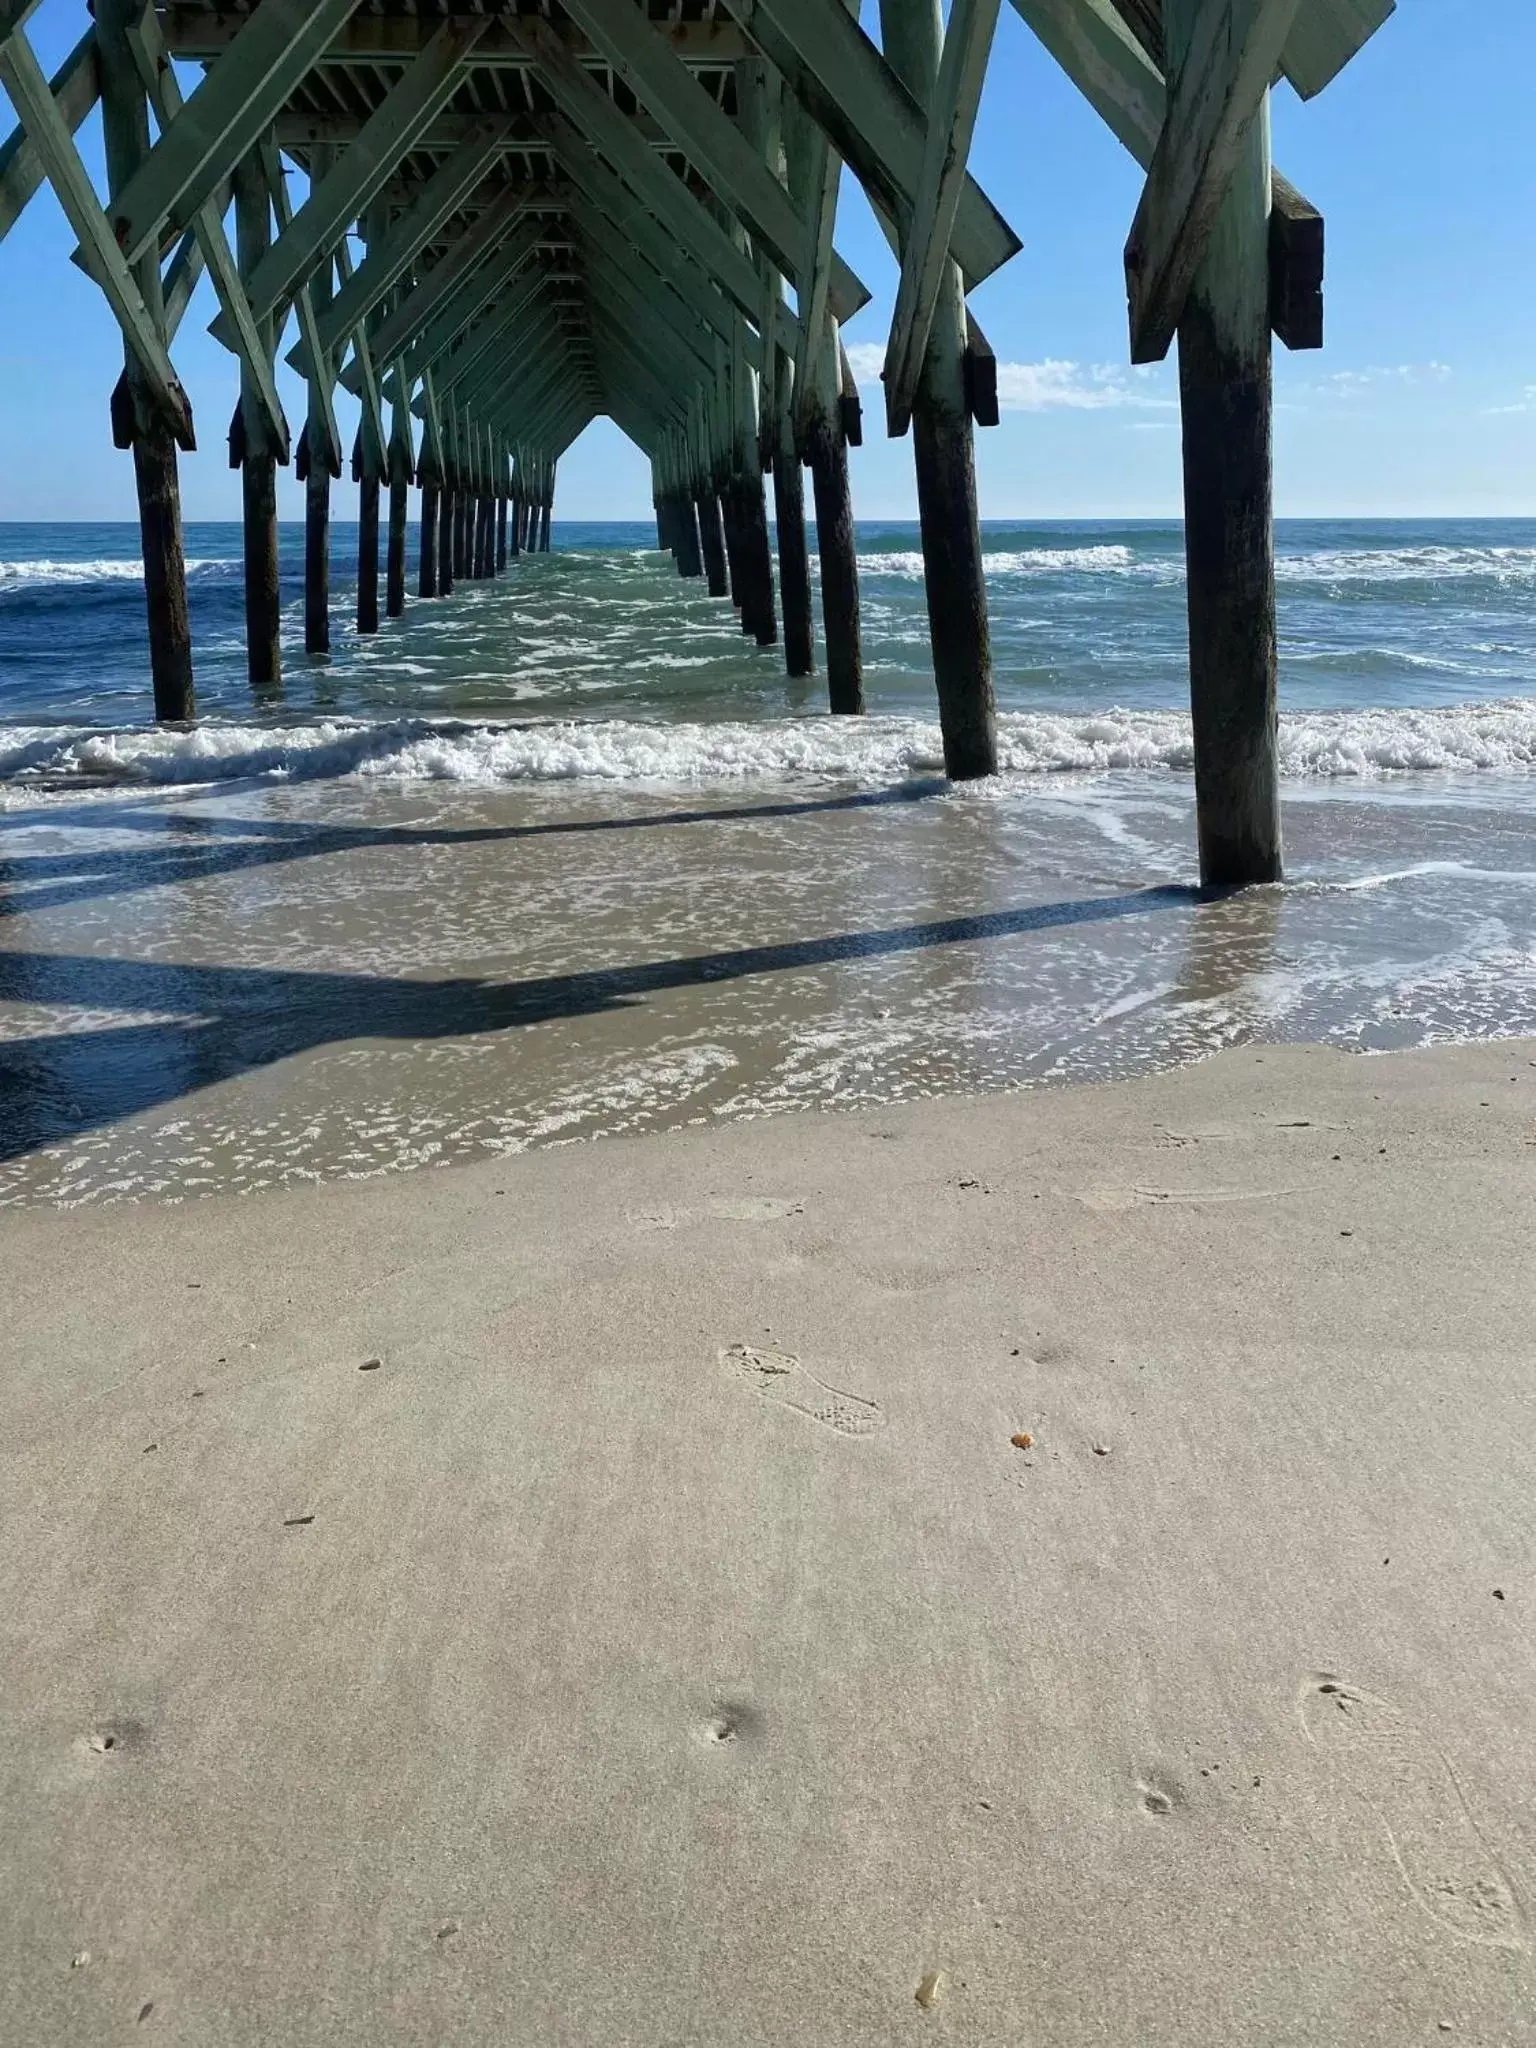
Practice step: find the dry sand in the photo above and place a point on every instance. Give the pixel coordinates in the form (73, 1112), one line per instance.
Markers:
(666, 1644)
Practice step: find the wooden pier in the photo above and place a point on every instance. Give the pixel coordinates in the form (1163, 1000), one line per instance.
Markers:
(521, 214)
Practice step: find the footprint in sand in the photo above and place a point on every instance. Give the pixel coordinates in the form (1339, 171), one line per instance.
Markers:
(1447, 1865)
(721, 1209)
(779, 1376)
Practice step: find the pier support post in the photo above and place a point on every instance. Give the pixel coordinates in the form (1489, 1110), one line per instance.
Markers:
(317, 558)
(394, 553)
(711, 541)
(138, 418)
(944, 458)
(515, 526)
(1225, 396)
(686, 536)
(825, 451)
(757, 612)
(447, 521)
(794, 563)
(368, 555)
(501, 531)
(426, 580)
(252, 453)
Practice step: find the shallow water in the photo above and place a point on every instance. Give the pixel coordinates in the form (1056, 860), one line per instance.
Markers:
(564, 857)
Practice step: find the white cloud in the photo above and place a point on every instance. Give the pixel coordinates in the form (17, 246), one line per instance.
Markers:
(1056, 384)
(1526, 402)
(1374, 377)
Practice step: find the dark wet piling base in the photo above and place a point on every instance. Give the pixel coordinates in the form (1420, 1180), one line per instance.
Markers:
(794, 566)
(839, 573)
(426, 581)
(1225, 396)
(461, 507)
(686, 544)
(394, 549)
(515, 527)
(501, 533)
(317, 561)
(165, 570)
(263, 596)
(368, 555)
(712, 542)
(956, 588)
(447, 519)
(757, 611)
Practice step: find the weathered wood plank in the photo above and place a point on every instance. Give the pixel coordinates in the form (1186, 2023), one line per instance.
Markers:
(76, 87)
(226, 116)
(1213, 98)
(951, 123)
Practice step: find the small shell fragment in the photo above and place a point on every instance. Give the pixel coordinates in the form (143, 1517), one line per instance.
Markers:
(928, 1991)
(1022, 1440)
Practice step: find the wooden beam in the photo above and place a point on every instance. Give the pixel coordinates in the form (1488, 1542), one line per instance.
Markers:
(396, 248)
(336, 199)
(871, 119)
(317, 363)
(708, 138)
(951, 123)
(76, 87)
(227, 116)
(48, 132)
(201, 34)
(1295, 267)
(1109, 51)
(248, 342)
(1212, 101)
(449, 288)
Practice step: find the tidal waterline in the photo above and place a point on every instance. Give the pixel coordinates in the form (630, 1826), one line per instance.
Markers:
(248, 987)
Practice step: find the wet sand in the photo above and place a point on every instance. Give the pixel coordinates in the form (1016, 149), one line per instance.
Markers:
(596, 1597)
(240, 988)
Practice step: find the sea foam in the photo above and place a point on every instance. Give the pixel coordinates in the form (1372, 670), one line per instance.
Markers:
(875, 751)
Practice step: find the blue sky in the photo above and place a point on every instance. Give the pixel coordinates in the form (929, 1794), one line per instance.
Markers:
(1423, 400)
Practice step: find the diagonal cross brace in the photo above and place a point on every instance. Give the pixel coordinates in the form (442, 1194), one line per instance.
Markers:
(225, 118)
(708, 137)
(363, 166)
(1213, 100)
(48, 132)
(951, 123)
(317, 363)
(153, 64)
(76, 87)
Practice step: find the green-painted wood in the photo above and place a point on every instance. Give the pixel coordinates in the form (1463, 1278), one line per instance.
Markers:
(1225, 400)
(76, 87)
(677, 99)
(248, 340)
(388, 259)
(1214, 97)
(439, 310)
(49, 134)
(125, 133)
(256, 454)
(859, 100)
(224, 118)
(943, 454)
(925, 256)
(321, 434)
(336, 198)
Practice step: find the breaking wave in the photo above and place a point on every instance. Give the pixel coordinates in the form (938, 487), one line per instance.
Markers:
(1360, 744)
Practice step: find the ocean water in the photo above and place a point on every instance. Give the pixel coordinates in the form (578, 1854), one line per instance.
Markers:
(564, 856)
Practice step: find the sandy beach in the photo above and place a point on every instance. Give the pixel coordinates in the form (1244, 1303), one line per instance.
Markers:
(1045, 1568)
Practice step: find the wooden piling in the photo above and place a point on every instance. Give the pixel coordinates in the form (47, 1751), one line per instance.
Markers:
(686, 542)
(394, 552)
(826, 452)
(757, 609)
(252, 452)
(711, 541)
(426, 580)
(125, 122)
(794, 564)
(945, 464)
(447, 520)
(368, 555)
(730, 521)
(1226, 402)
(501, 532)
(317, 559)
